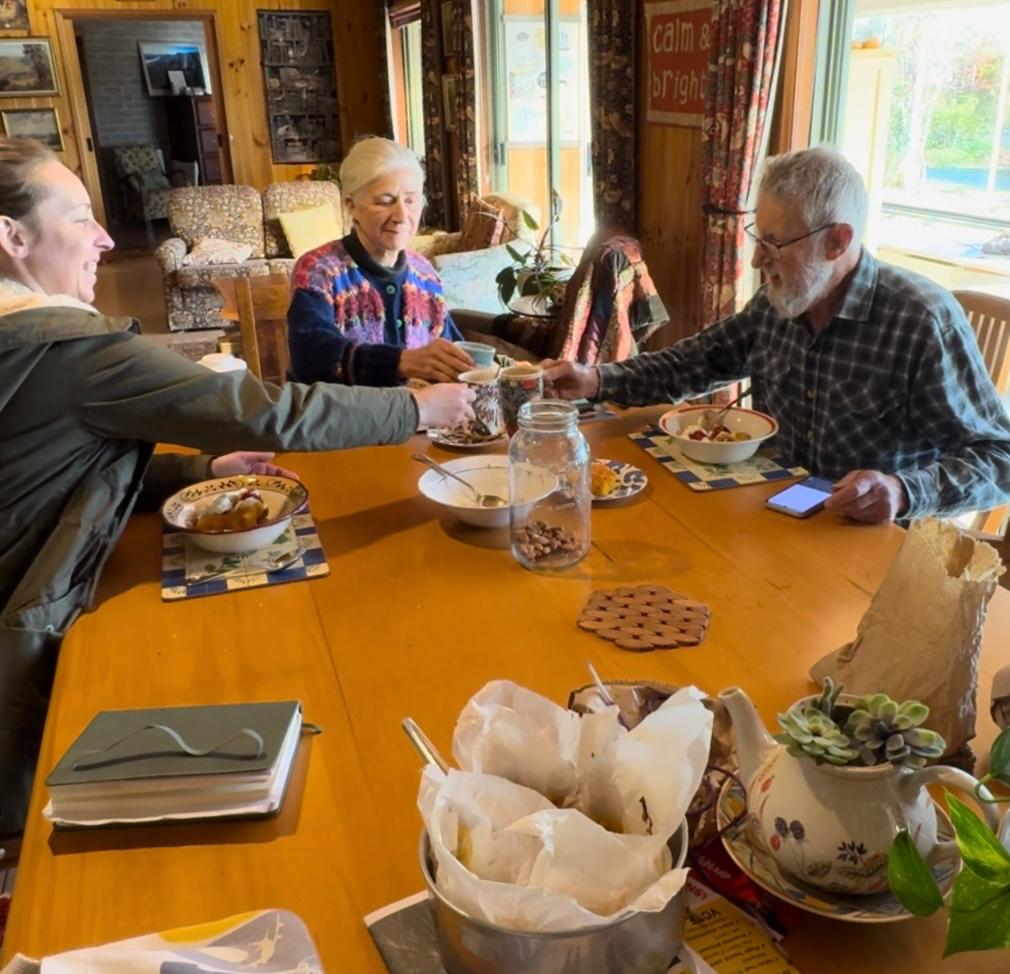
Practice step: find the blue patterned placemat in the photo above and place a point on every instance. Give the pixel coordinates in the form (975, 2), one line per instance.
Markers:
(761, 468)
(240, 571)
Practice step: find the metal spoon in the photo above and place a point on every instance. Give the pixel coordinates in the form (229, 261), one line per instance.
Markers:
(422, 745)
(483, 500)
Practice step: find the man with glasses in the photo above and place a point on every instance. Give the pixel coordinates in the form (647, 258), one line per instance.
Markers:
(872, 372)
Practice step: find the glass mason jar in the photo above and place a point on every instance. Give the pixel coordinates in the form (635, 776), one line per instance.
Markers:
(550, 502)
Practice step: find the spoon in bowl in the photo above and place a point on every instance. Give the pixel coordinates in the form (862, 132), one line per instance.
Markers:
(483, 500)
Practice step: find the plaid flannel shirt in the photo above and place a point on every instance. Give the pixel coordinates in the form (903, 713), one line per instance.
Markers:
(894, 382)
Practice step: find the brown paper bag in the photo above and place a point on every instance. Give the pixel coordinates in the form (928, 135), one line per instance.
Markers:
(920, 637)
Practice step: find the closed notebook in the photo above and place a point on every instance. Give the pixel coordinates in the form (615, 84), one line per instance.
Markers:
(222, 760)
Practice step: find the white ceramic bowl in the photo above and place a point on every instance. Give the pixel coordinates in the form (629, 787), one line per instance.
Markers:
(283, 499)
(489, 474)
(759, 425)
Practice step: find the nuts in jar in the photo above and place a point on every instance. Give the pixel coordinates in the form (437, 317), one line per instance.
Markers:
(538, 539)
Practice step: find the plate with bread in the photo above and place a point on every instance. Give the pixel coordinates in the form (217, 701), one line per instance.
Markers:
(614, 480)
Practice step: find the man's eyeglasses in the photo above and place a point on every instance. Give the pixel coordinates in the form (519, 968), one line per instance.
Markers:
(774, 247)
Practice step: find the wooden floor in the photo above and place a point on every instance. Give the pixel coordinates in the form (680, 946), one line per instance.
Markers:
(130, 284)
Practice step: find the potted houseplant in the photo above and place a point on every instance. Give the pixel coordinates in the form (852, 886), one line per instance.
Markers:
(979, 910)
(823, 796)
(540, 271)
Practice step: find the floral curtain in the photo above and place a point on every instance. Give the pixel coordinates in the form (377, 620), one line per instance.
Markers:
(435, 167)
(447, 60)
(745, 38)
(612, 93)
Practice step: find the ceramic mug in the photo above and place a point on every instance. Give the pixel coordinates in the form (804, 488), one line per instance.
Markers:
(519, 384)
(487, 414)
(482, 355)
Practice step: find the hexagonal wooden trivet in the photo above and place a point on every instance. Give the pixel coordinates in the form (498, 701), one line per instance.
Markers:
(643, 617)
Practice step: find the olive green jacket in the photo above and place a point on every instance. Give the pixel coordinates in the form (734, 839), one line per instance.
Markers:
(83, 400)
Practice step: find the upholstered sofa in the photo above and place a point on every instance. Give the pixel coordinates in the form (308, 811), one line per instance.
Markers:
(239, 215)
(469, 260)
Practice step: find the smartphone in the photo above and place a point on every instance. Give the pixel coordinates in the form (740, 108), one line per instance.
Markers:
(802, 499)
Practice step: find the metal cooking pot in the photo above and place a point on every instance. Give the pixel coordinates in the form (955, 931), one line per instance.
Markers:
(635, 943)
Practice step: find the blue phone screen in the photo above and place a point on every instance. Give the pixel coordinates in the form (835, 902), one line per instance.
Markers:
(804, 496)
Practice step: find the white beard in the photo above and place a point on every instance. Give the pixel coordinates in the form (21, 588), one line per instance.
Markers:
(811, 283)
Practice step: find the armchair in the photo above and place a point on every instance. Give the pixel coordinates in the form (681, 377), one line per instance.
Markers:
(143, 184)
(228, 213)
(468, 261)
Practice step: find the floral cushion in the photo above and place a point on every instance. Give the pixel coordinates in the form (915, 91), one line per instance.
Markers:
(214, 250)
(484, 227)
(227, 212)
(279, 198)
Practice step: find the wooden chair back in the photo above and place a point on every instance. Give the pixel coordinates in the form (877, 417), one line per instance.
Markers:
(260, 306)
(989, 317)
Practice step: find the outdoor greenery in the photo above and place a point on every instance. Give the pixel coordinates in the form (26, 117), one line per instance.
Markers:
(950, 69)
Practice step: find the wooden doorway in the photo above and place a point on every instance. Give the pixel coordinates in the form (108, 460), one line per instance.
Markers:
(81, 151)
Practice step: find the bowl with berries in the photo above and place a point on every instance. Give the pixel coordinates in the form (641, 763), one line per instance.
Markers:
(713, 435)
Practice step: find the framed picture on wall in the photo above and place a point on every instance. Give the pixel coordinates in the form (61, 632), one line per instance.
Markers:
(26, 67)
(188, 58)
(14, 15)
(41, 124)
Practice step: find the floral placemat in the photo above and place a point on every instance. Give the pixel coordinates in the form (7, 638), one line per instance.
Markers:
(188, 571)
(766, 465)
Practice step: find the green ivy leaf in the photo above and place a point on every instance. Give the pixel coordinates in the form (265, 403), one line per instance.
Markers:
(999, 757)
(515, 255)
(910, 878)
(979, 848)
(979, 915)
(529, 221)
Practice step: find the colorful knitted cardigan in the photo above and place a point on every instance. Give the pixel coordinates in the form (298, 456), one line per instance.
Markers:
(358, 310)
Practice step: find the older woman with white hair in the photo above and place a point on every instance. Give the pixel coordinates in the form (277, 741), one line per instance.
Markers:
(365, 310)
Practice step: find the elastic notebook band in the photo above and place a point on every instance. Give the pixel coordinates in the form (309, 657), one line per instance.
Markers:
(184, 749)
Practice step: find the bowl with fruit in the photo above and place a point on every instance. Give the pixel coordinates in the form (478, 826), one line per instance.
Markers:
(710, 435)
(234, 515)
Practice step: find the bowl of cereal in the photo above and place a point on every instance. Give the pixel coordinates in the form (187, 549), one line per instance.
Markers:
(234, 515)
(735, 437)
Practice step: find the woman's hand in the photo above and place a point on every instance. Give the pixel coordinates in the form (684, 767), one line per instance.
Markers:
(442, 406)
(438, 361)
(237, 464)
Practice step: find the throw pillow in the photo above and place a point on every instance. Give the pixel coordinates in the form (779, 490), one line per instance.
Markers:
(154, 179)
(307, 229)
(213, 250)
(484, 227)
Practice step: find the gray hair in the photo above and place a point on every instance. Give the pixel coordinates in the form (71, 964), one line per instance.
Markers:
(822, 183)
(371, 157)
(20, 194)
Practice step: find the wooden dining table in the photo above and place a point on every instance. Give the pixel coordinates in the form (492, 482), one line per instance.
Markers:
(418, 612)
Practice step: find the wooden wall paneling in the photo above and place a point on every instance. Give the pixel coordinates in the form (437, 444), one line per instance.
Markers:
(670, 221)
(233, 40)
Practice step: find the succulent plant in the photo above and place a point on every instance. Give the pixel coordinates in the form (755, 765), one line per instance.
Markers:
(811, 732)
(884, 730)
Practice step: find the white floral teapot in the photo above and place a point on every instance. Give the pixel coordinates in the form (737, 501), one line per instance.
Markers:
(832, 826)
